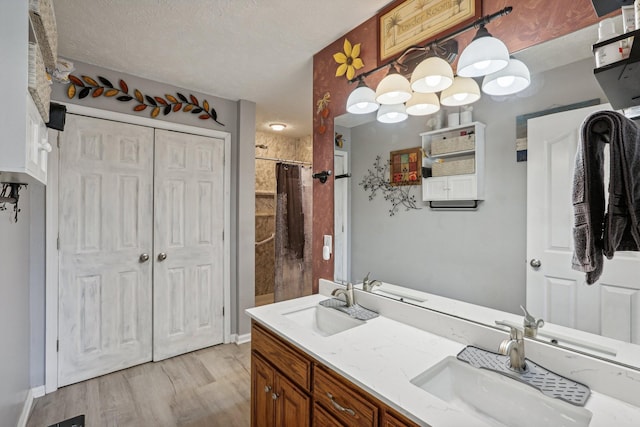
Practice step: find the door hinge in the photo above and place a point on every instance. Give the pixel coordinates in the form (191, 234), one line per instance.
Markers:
(223, 310)
(223, 235)
(58, 242)
(57, 346)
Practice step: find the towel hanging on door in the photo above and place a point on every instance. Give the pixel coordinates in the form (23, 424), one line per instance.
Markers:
(597, 232)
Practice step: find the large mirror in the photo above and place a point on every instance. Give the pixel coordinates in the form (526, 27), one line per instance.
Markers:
(461, 258)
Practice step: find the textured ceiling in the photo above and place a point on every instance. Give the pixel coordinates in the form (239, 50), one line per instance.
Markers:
(257, 50)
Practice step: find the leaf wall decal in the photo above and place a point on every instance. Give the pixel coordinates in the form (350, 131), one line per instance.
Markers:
(76, 81)
(97, 92)
(138, 95)
(177, 107)
(123, 86)
(187, 108)
(105, 82)
(182, 97)
(203, 116)
(205, 105)
(111, 92)
(90, 81)
(84, 92)
(160, 100)
(194, 100)
(71, 91)
(124, 98)
(196, 110)
(140, 107)
(167, 110)
(214, 115)
(150, 100)
(155, 112)
(171, 99)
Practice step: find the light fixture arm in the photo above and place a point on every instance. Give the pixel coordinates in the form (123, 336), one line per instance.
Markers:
(481, 22)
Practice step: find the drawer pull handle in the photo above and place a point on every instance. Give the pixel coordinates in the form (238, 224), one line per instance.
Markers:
(275, 396)
(340, 407)
(267, 388)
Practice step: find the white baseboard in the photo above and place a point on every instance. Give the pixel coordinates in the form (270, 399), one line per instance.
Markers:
(241, 339)
(26, 409)
(38, 391)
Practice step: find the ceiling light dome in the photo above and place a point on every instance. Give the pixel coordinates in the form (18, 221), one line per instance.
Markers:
(514, 78)
(393, 89)
(362, 100)
(422, 104)
(432, 75)
(395, 113)
(484, 55)
(463, 91)
(277, 126)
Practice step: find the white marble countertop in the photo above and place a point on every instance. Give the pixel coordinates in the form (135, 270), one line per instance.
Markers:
(383, 355)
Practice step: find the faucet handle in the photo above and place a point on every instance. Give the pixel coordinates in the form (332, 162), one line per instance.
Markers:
(515, 332)
(530, 321)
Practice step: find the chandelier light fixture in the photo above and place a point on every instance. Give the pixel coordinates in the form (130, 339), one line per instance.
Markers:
(485, 57)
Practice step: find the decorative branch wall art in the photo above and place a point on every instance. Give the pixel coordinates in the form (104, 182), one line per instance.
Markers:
(377, 180)
(85, 86)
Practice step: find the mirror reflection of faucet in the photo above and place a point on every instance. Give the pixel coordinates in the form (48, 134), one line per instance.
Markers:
(368, 285)
(531, 324)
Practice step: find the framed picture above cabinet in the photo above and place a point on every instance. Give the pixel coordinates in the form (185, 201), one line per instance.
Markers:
(405, 166)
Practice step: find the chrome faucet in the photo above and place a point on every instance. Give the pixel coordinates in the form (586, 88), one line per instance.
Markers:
(348, 294)
(514, 347)
(367, 285)
(531, 324)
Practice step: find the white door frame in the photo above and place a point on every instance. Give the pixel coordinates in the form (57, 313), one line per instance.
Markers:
(51, 232)
(346, 264)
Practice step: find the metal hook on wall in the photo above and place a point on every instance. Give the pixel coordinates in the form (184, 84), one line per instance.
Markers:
(322, 176)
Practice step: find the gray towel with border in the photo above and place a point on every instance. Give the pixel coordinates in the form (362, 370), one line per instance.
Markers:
(598, 233)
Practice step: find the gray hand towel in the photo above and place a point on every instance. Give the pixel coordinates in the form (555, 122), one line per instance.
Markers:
(597, 234)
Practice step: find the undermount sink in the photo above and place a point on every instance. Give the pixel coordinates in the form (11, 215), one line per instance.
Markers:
(496, 399)
(322, 320)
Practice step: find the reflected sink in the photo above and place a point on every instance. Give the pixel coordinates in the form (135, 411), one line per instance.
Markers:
(496, 399)
(398, 295)
(322, 320)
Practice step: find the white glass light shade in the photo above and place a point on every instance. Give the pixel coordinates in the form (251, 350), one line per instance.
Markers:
(395, 113)
(514, 78)
(393, 89)
(432, 75)
(277, 126)
(422, 104)
(484, 55)
(463, 91)
(362, 101)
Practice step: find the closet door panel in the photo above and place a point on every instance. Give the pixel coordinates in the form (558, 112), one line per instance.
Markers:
(105, 199)
(188, 243)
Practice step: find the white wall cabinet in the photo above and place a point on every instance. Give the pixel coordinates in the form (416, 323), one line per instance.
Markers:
(456, 155)
(37, 144)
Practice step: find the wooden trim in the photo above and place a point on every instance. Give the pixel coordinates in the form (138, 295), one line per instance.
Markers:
(51, 228)
(26, 409)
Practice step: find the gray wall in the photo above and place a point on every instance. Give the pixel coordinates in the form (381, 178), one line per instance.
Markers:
(474, 256)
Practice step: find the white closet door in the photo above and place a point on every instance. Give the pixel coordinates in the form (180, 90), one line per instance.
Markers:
(105, 225)
(188, 243)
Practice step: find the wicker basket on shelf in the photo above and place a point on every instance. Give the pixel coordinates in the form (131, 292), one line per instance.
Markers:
(39, 85)
(43, 22)
(453, 145)
(453, 167)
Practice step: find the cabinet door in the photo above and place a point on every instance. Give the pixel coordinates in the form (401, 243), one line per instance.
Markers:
(262, 402)
(322, 418)
(292, 406)
(435, 188)
(390, 419)
(462, 187)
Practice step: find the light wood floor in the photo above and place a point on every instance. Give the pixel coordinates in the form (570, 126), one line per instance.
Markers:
(209, 387)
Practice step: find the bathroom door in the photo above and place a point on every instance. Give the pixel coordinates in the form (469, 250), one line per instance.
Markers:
(555, 291)
(106, 208)
(188, 243)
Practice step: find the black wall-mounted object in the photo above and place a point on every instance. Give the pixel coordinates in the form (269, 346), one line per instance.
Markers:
(322, 176)
(620, 81)
(10, 193)
(57, 116)
(602, 7)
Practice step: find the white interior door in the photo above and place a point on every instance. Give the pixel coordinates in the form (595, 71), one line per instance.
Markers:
(556, 292)
(341, 217)
(105, 225)
(188, 243)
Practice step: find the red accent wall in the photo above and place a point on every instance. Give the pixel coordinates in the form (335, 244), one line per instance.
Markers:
(531, 22)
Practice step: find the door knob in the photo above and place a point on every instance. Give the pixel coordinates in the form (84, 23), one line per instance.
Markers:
(535, 263)
(143, 258)
(162, 256)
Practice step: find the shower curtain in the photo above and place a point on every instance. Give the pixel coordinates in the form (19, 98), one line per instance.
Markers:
(293, 232)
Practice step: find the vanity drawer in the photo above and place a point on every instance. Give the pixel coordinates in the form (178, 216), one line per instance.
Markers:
(282, 355)
(340, 400)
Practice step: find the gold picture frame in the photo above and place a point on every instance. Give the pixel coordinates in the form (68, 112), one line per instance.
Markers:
(411, 22)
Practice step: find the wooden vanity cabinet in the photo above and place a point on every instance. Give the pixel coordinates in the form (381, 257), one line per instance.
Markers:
(289, 388)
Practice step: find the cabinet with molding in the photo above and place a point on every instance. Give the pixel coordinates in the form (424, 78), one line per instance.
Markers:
(455, 157)
(290, 388)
